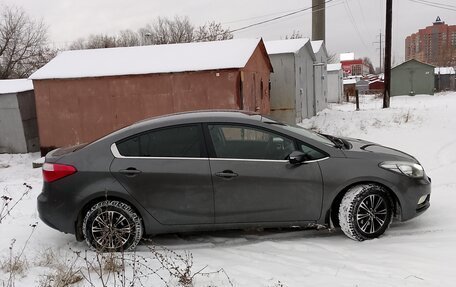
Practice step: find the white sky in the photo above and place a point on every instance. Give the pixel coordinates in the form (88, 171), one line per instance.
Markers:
(69, 20)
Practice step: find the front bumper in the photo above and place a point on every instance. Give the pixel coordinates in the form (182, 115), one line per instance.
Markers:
(412, 194)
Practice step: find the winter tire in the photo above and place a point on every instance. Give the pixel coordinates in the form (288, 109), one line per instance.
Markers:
(365, 212)
(111, 226)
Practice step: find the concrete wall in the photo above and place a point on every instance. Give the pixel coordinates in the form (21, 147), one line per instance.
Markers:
(321, 84)
(335, 87)
(12, 139)
(412, 78)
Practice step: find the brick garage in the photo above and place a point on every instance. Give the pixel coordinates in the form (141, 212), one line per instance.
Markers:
(83, 95)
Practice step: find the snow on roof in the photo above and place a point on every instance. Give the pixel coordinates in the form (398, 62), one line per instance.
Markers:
(347, 56)
(15, 86)
(316, 45)
(285, 46)
(349, 81)
(169, 58)
(376, 80)
(334, 67)
(444, 70)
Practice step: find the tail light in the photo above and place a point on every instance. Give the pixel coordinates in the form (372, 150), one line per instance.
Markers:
(55, 171)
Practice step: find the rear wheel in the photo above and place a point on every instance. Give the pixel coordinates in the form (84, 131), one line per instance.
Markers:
(365, 212)
(111, 226)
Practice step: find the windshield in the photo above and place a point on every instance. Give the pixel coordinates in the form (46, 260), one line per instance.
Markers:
(300, 130)
(309, 134)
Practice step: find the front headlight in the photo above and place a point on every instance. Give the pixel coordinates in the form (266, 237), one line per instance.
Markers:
(407, 168)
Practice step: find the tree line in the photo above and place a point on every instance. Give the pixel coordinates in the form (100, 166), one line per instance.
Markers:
(25, 46)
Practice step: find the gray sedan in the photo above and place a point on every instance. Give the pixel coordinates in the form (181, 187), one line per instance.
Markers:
(225, 170)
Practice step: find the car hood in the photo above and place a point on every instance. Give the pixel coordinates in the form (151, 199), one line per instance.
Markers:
(362, 148)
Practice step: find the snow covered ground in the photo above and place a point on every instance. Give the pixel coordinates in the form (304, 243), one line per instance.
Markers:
(421, 252)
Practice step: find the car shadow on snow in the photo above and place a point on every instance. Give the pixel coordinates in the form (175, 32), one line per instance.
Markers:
(205, 239)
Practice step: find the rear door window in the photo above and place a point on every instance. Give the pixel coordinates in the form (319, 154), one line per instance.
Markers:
(179, 141)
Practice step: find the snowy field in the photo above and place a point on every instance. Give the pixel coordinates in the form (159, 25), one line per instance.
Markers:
(420, 252)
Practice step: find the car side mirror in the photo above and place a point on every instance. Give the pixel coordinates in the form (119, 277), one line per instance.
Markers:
(296, 157)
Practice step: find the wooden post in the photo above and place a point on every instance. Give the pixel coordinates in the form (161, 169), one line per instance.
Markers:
(357, 99)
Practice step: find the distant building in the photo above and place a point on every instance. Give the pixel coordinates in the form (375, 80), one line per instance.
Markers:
(18, 126)
(292, 83)
(335, 84)
(83, 95)
(445, 79)
(352, 66)
(362, 86)
(349, 88)
(412, 78)
(376, 86)
(435, 45)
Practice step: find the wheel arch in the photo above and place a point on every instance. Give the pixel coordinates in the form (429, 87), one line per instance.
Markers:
(331, 216)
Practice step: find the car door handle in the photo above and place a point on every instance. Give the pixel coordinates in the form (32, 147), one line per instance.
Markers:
(131, 171)
(226, 174)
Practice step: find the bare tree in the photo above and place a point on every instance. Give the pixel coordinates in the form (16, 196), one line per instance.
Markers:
(212, 31)
(23, 44)
(78, 44)
(128, 38)
(180, 30)
(162, 31)
(332, 58)
(367, 62)
(295, 35)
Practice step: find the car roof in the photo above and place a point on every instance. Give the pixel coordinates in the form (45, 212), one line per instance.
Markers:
(204, 115)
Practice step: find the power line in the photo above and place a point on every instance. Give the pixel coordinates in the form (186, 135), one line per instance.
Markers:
(278, 17)
(334, 3)
(352, 20)
(439, 3)
(435, 4)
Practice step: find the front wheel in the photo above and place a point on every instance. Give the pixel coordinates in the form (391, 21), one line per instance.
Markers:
(365, 212)
(111, 226)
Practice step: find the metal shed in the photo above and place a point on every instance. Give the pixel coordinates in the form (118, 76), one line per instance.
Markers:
(411, 78)
(320, 74)
(18, 126)
(335, 83)
(445, 79)
(83, 95)
(292, 97)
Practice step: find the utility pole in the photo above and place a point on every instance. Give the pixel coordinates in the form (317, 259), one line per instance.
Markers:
(381, 50)
(388, 32)
(318, 20)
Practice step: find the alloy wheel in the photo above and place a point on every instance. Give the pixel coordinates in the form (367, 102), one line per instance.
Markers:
(371, 215)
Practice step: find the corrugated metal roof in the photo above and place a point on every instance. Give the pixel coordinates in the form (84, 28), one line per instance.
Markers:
(285, 46)
(15, 86)
(349, 81)
(444, 70)
(170, 58)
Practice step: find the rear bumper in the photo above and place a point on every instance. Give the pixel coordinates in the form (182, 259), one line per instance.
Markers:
(412, 203)
(55, 214)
